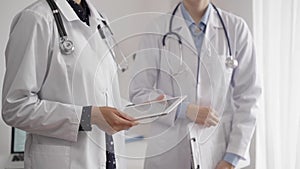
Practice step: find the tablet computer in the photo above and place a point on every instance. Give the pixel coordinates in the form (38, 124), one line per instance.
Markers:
(153, 109)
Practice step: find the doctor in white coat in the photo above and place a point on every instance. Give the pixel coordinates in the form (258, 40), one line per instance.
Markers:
(65, 102)
(222, 100)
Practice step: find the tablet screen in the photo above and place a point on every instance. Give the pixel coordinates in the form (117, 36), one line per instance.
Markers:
(153, 109)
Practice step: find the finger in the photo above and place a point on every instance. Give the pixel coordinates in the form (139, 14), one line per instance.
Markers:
(125, 116)
(214, 116)
(123, 123)
(160, 97)
(213, 120)
(126, 127)
(134, 123)
(119, 114)
(206, 124)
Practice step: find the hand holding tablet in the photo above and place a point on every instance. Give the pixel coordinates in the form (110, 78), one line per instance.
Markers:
(153, 109)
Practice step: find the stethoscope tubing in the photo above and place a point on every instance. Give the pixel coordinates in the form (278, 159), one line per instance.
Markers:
(56, 13)
(180, 43)
(225, 29)
(67, 46)
(229, 62)
(170, 32)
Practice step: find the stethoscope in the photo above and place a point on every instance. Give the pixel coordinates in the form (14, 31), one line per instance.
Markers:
(67, 46)
(230, 61)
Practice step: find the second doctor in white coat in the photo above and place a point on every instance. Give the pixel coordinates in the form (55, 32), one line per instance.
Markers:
(45, 92)
(209, 85)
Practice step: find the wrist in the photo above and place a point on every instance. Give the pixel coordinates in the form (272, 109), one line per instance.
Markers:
(191, 111)
(95, 114)
(232, 159)
(181, 110)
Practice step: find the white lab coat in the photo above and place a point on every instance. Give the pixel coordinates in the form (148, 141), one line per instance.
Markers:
(44, 91)
(233, 93)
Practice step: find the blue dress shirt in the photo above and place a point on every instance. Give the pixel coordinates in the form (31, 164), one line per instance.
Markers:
(198, 33)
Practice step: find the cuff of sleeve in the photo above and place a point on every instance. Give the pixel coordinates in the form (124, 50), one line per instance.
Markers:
(231, 158)
(85, 122)
(181, 110)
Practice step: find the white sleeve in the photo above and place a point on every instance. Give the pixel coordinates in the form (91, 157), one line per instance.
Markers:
(246, 92)
(27, 54)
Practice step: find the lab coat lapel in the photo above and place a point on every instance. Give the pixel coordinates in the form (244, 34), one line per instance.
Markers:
(211, 71)
(180, 27)
(66, 10)
(70, 15)
(95, 18)
(209, 42)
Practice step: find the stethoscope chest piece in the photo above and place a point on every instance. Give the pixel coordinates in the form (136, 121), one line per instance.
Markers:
(66, 46)
(231, 62)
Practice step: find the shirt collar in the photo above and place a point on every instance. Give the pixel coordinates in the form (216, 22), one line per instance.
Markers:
(189, 20)
(70, 14)
(82, 11)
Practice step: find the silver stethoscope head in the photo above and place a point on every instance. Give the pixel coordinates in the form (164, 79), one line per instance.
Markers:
(231, 62)
(66, 46)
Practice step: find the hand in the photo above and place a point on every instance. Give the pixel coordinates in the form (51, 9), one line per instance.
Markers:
(160, 97)
(111, 120)
(202, 115)
(224, 165)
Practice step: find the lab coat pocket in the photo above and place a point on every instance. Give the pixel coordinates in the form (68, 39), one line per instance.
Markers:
(50, 156)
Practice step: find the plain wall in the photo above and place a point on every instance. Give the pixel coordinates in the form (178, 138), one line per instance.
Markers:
(9, 8)
(242, 8)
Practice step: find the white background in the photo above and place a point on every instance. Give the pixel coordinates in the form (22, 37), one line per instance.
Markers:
(113, 10)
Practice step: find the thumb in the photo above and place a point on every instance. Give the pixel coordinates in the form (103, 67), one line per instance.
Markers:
(160, 97)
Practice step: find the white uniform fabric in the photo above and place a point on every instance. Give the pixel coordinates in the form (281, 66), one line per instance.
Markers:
(232, 93)
(44, 91)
